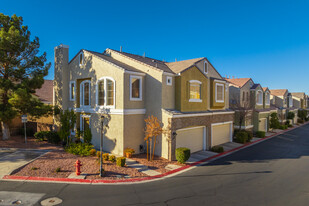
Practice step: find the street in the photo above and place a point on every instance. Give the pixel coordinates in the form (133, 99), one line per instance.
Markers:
(273, 172)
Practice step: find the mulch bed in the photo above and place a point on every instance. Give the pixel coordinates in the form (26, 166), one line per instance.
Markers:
(46, 165)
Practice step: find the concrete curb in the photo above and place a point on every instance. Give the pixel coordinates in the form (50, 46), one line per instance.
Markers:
(145, 179)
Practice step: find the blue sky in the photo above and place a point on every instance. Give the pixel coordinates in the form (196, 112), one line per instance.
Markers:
(265, 40)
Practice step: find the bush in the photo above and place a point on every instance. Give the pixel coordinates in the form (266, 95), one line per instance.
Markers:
(58, 169)
(287, 122)
(93, 152)
(302, 114)
(105, 156)
(98, 154)
(50, 136)
(290, 115)
(250, 135)
(129, 150)
(87, 136)
(290, 125)
(307, 119)
(112, 158)
(218, 149)
(182, 154)
(241, 137)
(40, 136)
(274, 121)
(300, 121)
(283, 127)
(260, 134)
(121, 161)
(82, 149)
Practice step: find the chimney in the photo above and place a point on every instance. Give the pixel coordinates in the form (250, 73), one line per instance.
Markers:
(61, 77)
(226, 76)
(175, 59)
(120, 48)
(229, 77)
(144, 55)
(233, 77)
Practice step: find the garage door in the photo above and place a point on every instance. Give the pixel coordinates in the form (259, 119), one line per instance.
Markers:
(221, 134)
(262, 125)
(192, 138)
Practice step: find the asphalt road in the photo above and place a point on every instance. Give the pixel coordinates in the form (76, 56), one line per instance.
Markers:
(274, 172)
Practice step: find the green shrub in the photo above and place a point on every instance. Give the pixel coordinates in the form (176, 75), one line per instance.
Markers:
(34, 168)
(93, 152)
(250, 135)
(307, 119)
(82, 149)
(87, 136)
(290, 125)
(112, 158)
(53, 137)
(241, 137)
(290, 115)
(274, 121)
(58, 169)
(105, 156)
(182, 154)
(121, 161)
(287, 122)
(300, 121)
(260, 134)
(40, 136)
(302, 114)
(218, 149)
(98, 154)
(129, 150)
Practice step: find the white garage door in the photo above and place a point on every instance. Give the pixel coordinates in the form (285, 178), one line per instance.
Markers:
(221, 134)
(192, 138)
(262, 125)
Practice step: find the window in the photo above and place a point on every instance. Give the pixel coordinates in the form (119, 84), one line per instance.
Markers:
(247, 96)
(259, 97)
(267, 98)
(195, 91)
(85, 93)
(72, 90)
(243, 96)
(219, 92)
(106, 92)
(169, 80)
(84, 122)
(135, 88)
(290, 101)
(205, 67)
(81, 59)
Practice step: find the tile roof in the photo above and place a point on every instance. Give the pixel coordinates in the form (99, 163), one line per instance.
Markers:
(240, 82)
(278, 92)
(114, 61)
(255, 86)
(298, 94)
(146, 60)
(180, 66)
(45, 93)
(265, 88)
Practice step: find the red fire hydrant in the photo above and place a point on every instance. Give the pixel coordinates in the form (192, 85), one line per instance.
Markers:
(78, 165)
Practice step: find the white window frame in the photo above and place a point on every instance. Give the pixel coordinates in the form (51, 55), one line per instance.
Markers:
(290, 101)
(81, 92)
(140, 86)
(260, 102)
(105, 93)
(205, 67)
(216, 85)
(82, 123)
(70, 87)
(267, 98)
(168, 78)
(81, 55)
(200, 83)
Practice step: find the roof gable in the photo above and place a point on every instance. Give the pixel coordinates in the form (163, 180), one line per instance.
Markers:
(239, 82)
(278, 92)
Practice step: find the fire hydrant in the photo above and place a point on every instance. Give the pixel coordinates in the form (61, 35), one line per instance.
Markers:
(78, 165)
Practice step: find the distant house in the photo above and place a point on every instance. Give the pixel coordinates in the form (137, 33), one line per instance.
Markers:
(300, 100)
(279, 99)
(45, 94)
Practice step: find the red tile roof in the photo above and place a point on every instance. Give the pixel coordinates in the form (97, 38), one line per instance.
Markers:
(45, 94)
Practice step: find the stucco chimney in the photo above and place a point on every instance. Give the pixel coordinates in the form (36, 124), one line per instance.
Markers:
(61, 76)
(120, 48)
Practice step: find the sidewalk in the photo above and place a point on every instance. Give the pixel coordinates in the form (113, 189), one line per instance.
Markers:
(196, 159)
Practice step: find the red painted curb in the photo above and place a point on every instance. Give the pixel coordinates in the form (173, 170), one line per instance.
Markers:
(96, 181)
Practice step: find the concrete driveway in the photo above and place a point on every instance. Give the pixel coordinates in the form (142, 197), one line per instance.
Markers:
(11, 159)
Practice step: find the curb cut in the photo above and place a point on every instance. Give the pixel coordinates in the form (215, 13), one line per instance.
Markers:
(144, 179)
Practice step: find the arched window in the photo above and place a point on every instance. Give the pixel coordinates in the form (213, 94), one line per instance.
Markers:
(259, 97)
(267, 98)
(85, 88)
(105, 92)
(195, 91)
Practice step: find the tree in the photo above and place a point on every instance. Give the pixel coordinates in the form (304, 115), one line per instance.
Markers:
(67, 121)
(22, 71)
(302, 114)
(274, 121)
(152, 130)
(243, 109)
(290, 115)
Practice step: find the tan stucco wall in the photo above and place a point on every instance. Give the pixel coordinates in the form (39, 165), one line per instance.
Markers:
(211, 71)
(168, 93)
(183, 92)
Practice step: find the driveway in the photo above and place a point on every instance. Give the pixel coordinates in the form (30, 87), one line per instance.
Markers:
(11, 159)
(271, 173)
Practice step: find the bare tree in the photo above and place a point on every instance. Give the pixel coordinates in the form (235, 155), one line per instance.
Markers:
(242, 107)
